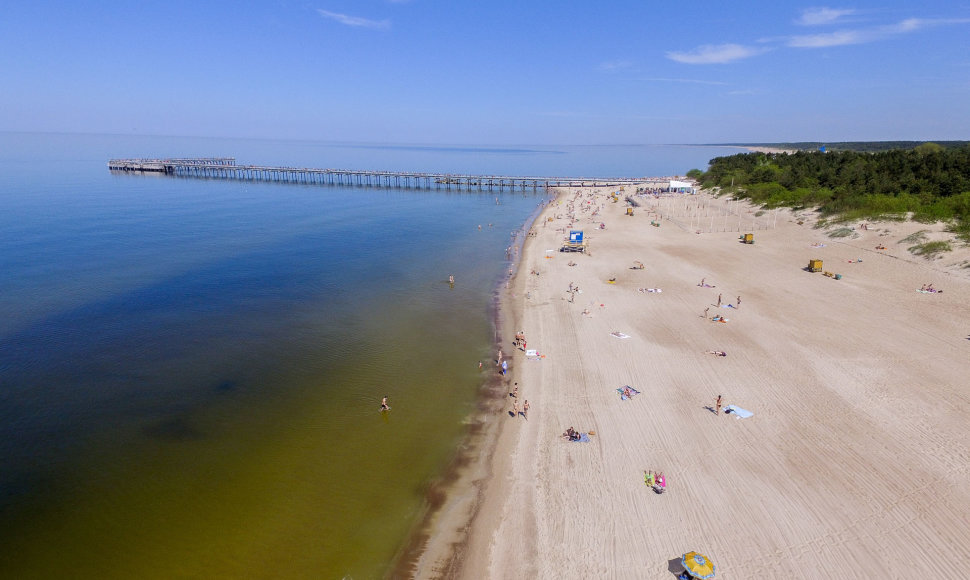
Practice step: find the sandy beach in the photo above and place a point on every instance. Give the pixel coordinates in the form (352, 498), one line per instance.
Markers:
(854, 463)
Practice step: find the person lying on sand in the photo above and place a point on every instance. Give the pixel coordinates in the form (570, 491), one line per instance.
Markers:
(649, 478)
(572, 434)
(717, 352)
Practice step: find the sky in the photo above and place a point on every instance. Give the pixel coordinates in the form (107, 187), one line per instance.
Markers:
(490, 72)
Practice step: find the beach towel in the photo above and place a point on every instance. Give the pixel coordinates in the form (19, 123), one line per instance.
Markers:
(632, 392)
(583, 438)
(531, 352)
(619, 335)
(738, 412)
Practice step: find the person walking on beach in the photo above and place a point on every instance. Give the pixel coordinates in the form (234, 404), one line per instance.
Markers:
(717, 406)
(515, 408)
(738, 305)
(505, 367)
(515, 391)
(718, 300)
(706, 310)
(525, 409)
(498, 363)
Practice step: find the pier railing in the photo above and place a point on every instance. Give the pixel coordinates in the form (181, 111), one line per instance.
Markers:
(226, 168)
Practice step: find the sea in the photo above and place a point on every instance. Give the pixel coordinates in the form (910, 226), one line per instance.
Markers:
(191, 369)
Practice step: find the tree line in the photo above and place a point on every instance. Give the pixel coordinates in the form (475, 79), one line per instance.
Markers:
(926, 183)
(866, 146)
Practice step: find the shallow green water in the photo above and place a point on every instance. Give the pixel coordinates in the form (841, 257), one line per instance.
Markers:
(192, 370)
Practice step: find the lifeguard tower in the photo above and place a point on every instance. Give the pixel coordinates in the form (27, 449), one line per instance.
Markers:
(576, 242)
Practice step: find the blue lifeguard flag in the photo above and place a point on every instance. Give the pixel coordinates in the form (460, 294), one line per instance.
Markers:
(576, 236)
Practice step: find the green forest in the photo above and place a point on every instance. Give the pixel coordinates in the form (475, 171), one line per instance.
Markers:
(865, 146)
(926, 183)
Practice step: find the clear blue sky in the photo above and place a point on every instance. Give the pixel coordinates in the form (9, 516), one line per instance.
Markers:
(490, 72)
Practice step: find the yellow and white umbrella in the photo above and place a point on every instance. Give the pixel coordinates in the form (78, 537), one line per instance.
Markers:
(698, 565)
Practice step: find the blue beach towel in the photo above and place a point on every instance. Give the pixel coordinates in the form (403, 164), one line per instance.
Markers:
(583, 438)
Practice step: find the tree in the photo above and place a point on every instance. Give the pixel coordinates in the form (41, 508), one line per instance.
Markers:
(928, 147)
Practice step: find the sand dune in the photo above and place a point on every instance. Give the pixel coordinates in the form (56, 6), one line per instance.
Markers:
(854, 464)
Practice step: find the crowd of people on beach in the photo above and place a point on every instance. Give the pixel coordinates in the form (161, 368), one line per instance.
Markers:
(519, 342)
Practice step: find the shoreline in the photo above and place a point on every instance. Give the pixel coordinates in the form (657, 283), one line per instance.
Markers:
(437, 546)
(829, 376)
(758, 149)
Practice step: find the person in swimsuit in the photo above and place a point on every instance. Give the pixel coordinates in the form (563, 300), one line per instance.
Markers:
(384, 406)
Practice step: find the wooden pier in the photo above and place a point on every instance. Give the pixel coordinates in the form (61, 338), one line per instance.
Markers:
(226, 168)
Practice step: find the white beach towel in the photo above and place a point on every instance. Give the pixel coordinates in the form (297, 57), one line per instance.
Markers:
(738, 412)
(619, 335)
(531, 352)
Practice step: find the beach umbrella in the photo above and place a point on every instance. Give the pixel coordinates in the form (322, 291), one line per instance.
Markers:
(698, 565)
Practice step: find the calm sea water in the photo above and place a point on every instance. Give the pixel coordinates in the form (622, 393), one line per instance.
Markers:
(190, 370)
